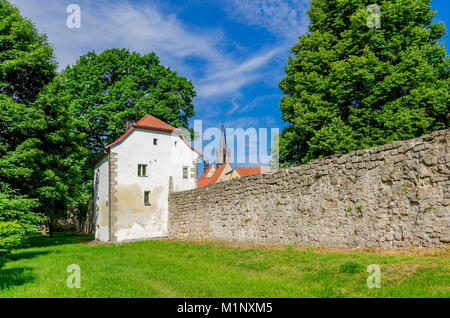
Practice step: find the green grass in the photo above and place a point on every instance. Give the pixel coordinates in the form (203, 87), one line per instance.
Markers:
(182, 269)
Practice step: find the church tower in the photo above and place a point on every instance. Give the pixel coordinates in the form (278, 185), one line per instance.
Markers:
(223, 152)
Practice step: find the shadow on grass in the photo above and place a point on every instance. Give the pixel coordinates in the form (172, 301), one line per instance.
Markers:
(15, 277)
(57, 239)
(25, 255)
(10, 277)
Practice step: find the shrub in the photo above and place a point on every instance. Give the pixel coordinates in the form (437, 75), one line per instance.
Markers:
(17, 220)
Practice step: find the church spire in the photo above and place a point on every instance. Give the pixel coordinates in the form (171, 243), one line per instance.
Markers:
(223, 139)
(222, 152)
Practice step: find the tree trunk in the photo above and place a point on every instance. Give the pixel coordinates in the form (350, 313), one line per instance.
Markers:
(44, 229)
(50, 227)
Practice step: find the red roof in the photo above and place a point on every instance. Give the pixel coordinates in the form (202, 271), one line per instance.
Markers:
(243, 172)
(218, 173)
(152, 123)
(146, 122)
(203, 180)
(248, 171)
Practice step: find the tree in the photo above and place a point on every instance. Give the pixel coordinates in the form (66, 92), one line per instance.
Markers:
(40, 153)
(109, 89)
(351, 87)
(115, 86)
(26, 59)
(57, 183)
(39, 149)
(16, 221)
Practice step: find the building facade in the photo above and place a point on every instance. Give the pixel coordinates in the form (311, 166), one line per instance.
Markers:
(134, 176)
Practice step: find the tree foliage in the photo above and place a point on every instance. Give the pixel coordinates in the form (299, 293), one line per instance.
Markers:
(40, 153)
(16, 221)
(26, 59)
(351, 87)
(115, 86)
(39, 149)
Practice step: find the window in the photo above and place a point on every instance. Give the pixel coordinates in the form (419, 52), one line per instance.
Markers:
(142, 170)
(175, 143)
(185, 172)
(147, 197)
(155, 141)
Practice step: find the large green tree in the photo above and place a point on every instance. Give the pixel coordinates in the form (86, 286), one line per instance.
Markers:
(350, 85)
(39, 149)
(108, 89)
(40, 153)
(117, 85)
(27, 62)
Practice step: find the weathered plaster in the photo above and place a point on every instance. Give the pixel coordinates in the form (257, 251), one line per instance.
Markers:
(101, 201)
(130, 218)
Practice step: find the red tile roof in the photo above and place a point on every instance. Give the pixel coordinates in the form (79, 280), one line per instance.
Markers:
(248, 171)
(243, 172)
(203, 180)
(148, 122)
(151, 122)
(218, 173)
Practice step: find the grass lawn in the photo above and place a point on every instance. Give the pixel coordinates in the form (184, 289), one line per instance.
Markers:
(181, 269)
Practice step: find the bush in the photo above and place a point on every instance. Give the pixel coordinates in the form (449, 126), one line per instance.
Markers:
(11, 234)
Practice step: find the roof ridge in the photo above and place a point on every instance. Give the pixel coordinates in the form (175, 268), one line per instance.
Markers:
(155, 124)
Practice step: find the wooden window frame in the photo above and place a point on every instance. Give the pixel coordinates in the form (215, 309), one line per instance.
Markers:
(147, 195)
(142, 173)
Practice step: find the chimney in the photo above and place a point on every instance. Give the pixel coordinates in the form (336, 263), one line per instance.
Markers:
(129, 124)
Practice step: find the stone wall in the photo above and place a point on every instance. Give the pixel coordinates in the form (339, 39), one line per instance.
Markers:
(395, 195)
(76, 222)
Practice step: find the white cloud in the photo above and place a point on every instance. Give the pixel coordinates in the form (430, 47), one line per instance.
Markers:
(234, 78)
(248, 66)
(144, 28)
(107, 24)
(256, 102)
(285, 19)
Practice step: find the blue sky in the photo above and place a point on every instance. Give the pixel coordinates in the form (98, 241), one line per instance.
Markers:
(234, 51)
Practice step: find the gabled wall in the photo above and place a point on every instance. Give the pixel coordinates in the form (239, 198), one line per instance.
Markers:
(101, 199)
(131, 219)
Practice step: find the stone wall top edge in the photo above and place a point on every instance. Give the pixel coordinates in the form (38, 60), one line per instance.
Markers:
(325, 161)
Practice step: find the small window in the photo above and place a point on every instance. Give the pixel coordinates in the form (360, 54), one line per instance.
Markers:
(175, 143)
(147, 197)
(155, 141)
(185, 172)
(142, 170)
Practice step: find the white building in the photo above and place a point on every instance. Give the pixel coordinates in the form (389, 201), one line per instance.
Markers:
(133, 178)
